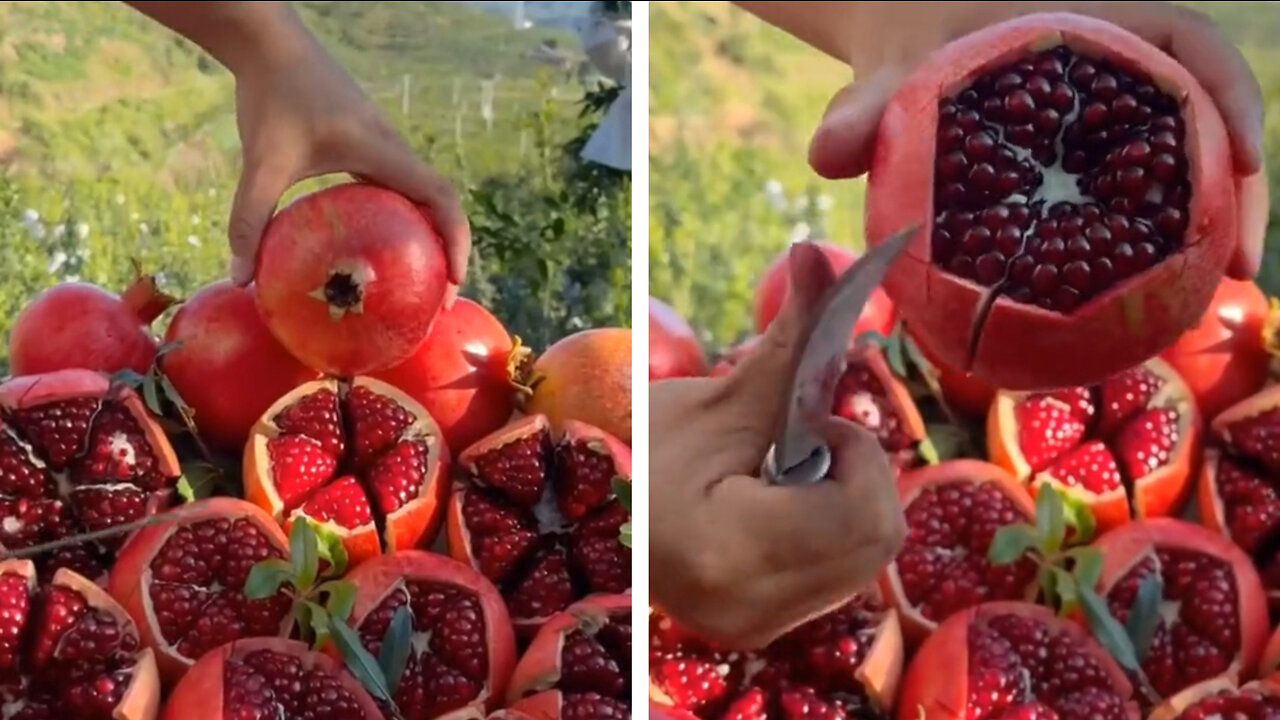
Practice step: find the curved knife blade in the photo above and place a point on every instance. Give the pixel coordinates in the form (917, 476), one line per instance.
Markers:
(812, 390)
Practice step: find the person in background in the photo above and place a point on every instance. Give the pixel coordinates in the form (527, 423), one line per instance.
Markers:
(300, 115)
(739, 561)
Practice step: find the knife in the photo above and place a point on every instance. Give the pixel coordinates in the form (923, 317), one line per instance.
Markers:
(799, 455)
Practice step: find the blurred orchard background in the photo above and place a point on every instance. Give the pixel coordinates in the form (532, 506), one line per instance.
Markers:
(118, 143)
(732, 105)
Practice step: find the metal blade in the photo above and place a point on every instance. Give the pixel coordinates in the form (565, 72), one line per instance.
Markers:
(799, 452)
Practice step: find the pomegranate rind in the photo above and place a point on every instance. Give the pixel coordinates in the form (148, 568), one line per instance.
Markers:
(1157, 494)
(586, 377)
(916, 627)
(674, 349)
(199, 695)
(1134, 320)
(1270, 664)
(379, 577)
(936, 683)
(775, 286)
(130, 580)
(1173, 707)
(539, 667)
(1126, 546)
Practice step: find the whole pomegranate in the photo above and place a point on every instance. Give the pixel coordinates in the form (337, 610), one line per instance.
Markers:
(1212, 620)
(586, 377)
(182, 581)
(534, 510)
(775, 286)
(1126, 448)
(462, 373)
(269, 678)
(68, 651)
(80, 325)
(953, 511)
(845, 664)
(1076, 193)
(360, 457)
(1014, 660)
(674, 350)
(1224, 358)
(350, 277)
(579, 663)
(78, 455)
(1220, 699)
(227, 366)
(462, 647)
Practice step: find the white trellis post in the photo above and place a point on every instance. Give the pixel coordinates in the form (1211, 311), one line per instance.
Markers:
(486, 102)
(404, 94)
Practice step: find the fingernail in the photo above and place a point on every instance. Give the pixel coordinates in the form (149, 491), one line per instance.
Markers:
(241, 271)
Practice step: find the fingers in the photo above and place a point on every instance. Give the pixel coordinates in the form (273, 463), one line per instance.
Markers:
(1254, 201)
(844, 143)
(261, 185)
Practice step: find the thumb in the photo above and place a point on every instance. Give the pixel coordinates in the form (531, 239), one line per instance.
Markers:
(844, 143)
(1253, 198)
(260, 188)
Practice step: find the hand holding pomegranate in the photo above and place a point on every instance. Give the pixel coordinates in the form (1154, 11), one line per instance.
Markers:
(737, 560)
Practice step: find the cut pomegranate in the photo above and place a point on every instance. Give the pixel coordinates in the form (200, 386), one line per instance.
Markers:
(1213, 613)
(674, 350)
(1126, 448)
(953, 511)
(1239, 489)
(183, 581)
(585, 377)
(1077, 194)
(463, 645)
(360, 457)
(1222, 700)
(869, 394)
(579, 663)
(68, 651)
(77, 455)
(775, 286)
(269, 678)
(536, 513)
(840, 665)
(1014, 661)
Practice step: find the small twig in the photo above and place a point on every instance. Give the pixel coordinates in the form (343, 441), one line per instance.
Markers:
(73, 540)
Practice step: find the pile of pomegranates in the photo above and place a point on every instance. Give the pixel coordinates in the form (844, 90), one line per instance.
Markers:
(238, 509)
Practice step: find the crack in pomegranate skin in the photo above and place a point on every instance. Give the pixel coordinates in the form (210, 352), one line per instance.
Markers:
(269, 684)
(1058, 176)
(1242, 704)
(812, 669)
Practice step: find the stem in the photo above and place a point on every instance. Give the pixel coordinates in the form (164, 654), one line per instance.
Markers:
(73, 540)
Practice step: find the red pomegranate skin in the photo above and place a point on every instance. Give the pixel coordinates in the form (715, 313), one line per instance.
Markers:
(350, 278)
(228, 367)
(775, 286)
(1019, 345)
(674, 350)
(461, 374)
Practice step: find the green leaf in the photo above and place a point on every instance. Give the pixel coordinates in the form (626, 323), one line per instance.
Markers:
(361, 664)
(1144, 616)
(340, 599)
(393, 655)
(871, 337)
(151, 395)
(128, 378)
(1087, 565)
(1051, 526)
(1011, 542)
(1066, 588)
(266, 578)
(185, 491)
(927, 452)
(1048, 582)
(622, 489)
(917, 357)
(1108, 631)
(319, 621)
(624, 534)
(305, 553)
(948, 441)
(175, 398)
(331, 550)
(167, 348)
(895, 355)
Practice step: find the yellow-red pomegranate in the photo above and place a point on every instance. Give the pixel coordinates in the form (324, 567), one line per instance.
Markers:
(674, 350)
(350, 277)
(534, 510)
(361, 457)
(1076, 192)
(586, 377)
(182, 581)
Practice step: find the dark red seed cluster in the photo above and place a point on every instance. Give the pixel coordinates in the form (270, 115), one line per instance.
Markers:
(1058, 176)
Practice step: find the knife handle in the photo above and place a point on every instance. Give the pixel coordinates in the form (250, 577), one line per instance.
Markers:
(812, 470)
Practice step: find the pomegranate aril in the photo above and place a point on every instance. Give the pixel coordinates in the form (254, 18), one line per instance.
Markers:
(102, 507)
(546, 587)
(1234, 704)
(377, 423)
(604, 563)
(586, 478)
(117, 452)
(517, 470)
(1146, 443)
(396, 478)
(176, 608)
(342, 502)
(1089, 467)
(58, 431)
(1047, 428)
(1125, 395)
(588, 667)
(317, 417)
(300, 465)
(267, 684)
(21, 474)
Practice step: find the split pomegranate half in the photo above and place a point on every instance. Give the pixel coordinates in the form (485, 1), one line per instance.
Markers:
(1125, 448)
(841, 664)
(1010, 661)
(953, 511)
(269, 678)
(360, 457)
(536, 514)
(183, 581)
(463, 645)
(78, 455)
(1223, 700)
(68, 651)
(579, 664)
(1212, 614)
(1076, 192)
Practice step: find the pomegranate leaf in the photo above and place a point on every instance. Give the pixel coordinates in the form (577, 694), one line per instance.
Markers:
(1086, 566)
(945, 441)
(185, 491)
(362, 665)
(895, 354)
(1107, 630)
(624, 534)
(199, 480)
(622, 489)
(313, 615)
(1080, 519)
(129, 378)
(393, 655)
(1051, 524)
(304, 549)
(871, 337)
(1144, 616)
(1048, 582)
(1011, 542)
(1065, 588)
(340, 598)
(331, 550)
(266, 578)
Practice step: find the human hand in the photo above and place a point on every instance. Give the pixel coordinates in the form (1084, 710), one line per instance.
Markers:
(737, 560)
(843, 145)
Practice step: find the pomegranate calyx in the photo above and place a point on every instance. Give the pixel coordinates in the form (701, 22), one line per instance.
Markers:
(145, 298)
(343, 291)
